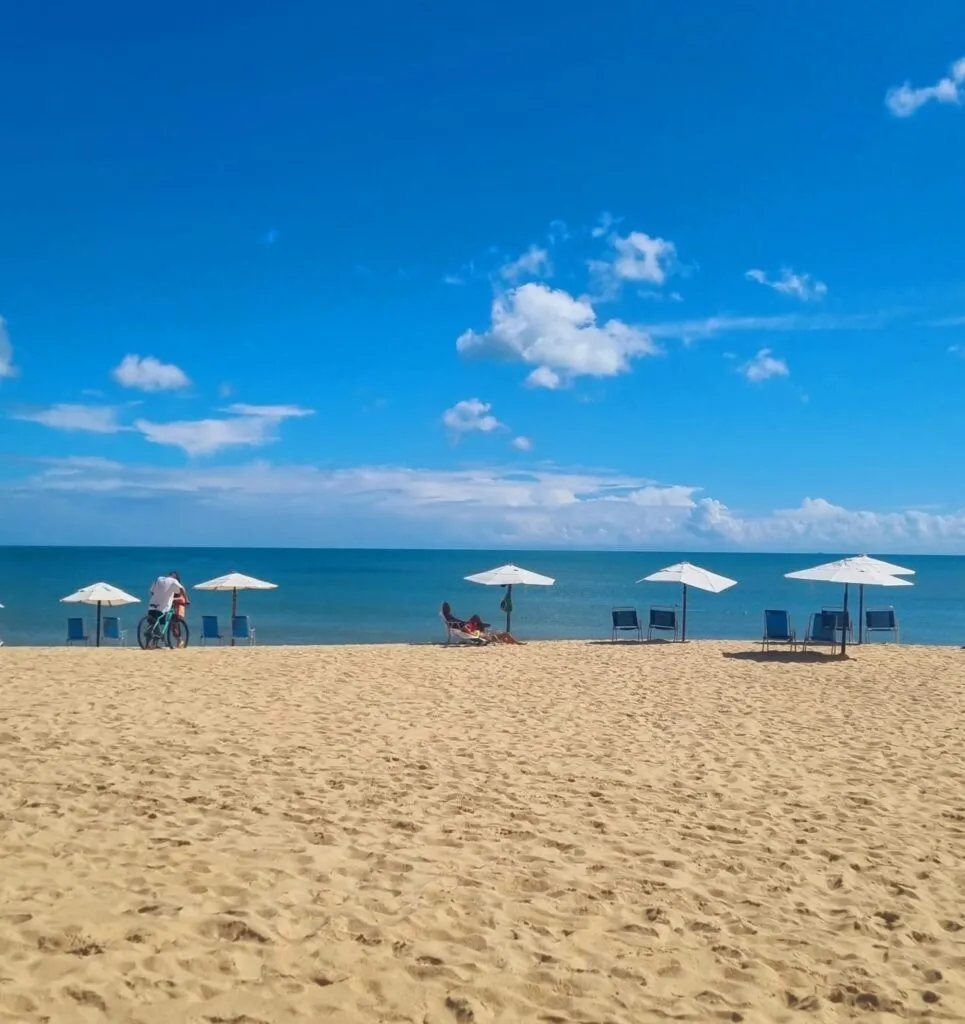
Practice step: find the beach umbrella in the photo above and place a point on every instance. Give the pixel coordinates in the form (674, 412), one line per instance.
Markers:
(100, 594)
(860, 571)
(873, 563)
(235, 581)
(510, 576)
(688, 575)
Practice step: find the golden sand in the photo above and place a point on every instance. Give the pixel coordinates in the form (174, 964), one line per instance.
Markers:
(560, 832)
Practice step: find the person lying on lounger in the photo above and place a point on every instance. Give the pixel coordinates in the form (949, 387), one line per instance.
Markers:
(476, 627)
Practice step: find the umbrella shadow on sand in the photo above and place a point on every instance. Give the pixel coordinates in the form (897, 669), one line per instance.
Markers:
(787, 657)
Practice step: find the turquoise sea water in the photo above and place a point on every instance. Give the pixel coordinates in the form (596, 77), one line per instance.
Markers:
(341, 596)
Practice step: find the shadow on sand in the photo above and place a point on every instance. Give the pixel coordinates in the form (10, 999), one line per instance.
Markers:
(631, 643)
(787, 657)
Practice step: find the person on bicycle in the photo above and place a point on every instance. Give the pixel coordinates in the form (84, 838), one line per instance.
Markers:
(163, 592)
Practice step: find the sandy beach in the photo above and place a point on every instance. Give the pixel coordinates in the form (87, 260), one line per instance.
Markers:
(560, 832)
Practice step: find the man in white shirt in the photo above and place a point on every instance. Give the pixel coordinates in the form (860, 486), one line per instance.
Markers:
(163, 591)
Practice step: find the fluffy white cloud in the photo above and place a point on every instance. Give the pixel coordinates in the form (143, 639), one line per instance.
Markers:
(145, 373)
(522, 444)
(637, 258)
(904, 100)
(247, 426)
(94, 419)
(558, 335)
(498, 506)
(6, 351)
(471, 415)
(763, 366)
(535, 262)
(800, 286)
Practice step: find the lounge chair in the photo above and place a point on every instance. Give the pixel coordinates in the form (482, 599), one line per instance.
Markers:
(881, 621)
(111, 630)
(241, 629)
(76, 632)
(822, 631)
(839, 618)
(626, 620)
(455, 628)
(210, 630)
(778, 630)
(664, 619)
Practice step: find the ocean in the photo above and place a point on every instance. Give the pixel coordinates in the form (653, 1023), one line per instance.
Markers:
(369, 596)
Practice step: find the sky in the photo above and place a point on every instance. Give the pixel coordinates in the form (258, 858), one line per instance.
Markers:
(666, 277)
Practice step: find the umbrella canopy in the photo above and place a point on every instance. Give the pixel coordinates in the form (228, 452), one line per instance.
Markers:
(877, 563)
(235, 581)
(689, 575)
(509, 576)
(860, 571)
(100, 594)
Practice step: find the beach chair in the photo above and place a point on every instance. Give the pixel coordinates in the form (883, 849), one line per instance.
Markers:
(76, 632)
(111, 630)
(626, 620)
(822, 631)
(241, 629)
(454, 630)
(881, 621)
(662, 619)
(839, 618)
(778, 630)
(210, 630)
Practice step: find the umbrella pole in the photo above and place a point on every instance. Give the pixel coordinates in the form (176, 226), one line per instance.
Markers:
(234, 612)
(509, 605)
(97, 641)
(861, 614)
(844, 624)
(683, 632)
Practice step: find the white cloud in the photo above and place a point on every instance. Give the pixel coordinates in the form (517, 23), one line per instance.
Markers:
(558, 335)
(604, 225)
(94, 419)
(470, 416)
(904, 100)
(522, 444)
(535, 262)
(6, 351)
(637, 258)
(248, 425)
(149, 374)
(708, 327)
(453, 279)
(495, 506)
(800, 286)
(763, 366)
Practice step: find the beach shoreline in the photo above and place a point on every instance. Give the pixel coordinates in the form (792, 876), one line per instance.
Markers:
(563, 831)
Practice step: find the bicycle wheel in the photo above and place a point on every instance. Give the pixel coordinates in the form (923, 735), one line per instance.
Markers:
(144, 628)
(178, 633)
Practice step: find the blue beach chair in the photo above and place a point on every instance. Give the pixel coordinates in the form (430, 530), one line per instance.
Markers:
(664, 619)
(210, 630)
(881, 621)
(823, 630)
(778, 630)
(76, 632)
(241, 629)
(626, 620)
(111, 630)
(840, 619)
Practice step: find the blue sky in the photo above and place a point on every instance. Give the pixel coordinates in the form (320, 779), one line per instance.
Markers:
(667, 277)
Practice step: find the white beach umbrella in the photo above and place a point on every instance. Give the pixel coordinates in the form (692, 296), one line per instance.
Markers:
(860, 571)
(235, 581)
(100, 594)
(688, 575)
(509, 576)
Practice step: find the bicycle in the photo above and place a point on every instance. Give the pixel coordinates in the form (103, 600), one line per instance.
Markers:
(167, 628)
